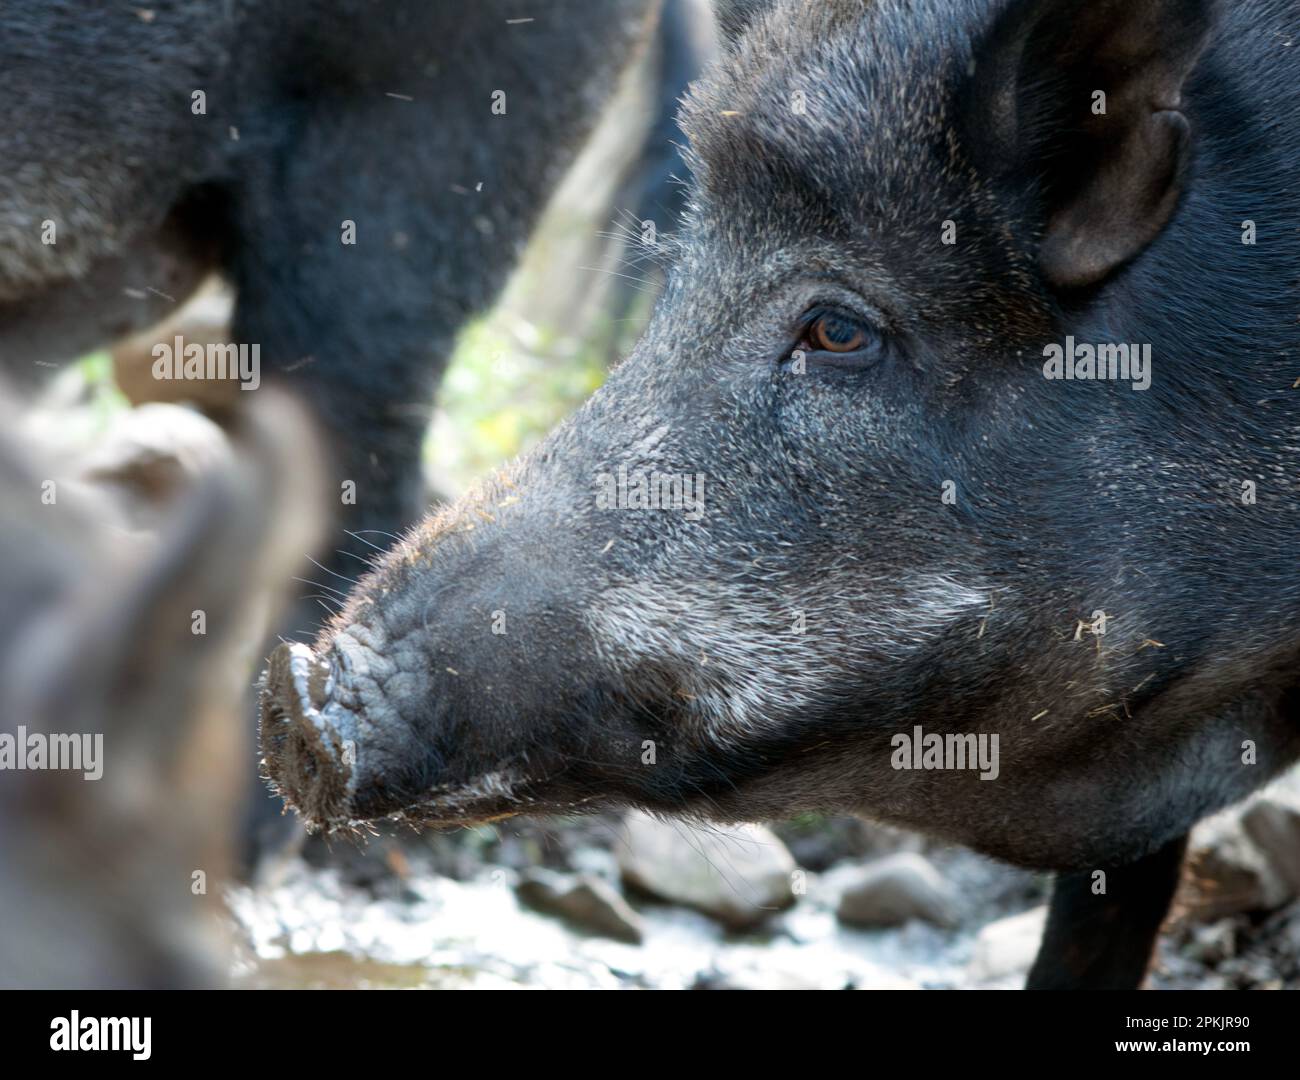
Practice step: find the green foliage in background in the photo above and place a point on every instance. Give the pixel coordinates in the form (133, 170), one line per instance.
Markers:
(508, 384)
(105, 398)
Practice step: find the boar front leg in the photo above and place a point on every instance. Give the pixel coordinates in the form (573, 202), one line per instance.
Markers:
(1103, 941)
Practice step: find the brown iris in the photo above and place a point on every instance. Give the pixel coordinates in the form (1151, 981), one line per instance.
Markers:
(836, 334)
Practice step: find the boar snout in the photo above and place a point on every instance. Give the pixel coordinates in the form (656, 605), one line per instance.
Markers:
(411, 707)
(307, 739)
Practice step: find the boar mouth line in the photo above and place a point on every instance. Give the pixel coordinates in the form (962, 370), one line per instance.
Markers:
(493, 797)
(442, 813)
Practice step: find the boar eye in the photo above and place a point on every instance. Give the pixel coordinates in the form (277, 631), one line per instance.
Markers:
(834, 333)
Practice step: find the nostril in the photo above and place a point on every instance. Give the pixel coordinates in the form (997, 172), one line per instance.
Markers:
(303, 748)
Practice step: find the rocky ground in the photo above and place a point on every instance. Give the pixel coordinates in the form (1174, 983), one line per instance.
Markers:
(606, 902)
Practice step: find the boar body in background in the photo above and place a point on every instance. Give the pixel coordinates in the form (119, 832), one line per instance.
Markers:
(898, 209)
(363, 176)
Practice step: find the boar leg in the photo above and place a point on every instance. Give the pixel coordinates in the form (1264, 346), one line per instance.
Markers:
(1104, 941)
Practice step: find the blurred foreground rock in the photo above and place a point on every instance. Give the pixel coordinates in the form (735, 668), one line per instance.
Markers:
(136, 581)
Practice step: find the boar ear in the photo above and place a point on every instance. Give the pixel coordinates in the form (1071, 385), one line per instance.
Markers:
(1083, 98)
(734, 16)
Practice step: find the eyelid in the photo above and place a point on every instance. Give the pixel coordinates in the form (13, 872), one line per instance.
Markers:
(838, 310)
(870, 321)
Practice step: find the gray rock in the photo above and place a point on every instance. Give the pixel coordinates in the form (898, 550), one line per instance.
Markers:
(737, 874)
(1213, 943)
(1007, 947)
(588, 902)
(898, 887)
(1272, 822)
(1227, 873)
